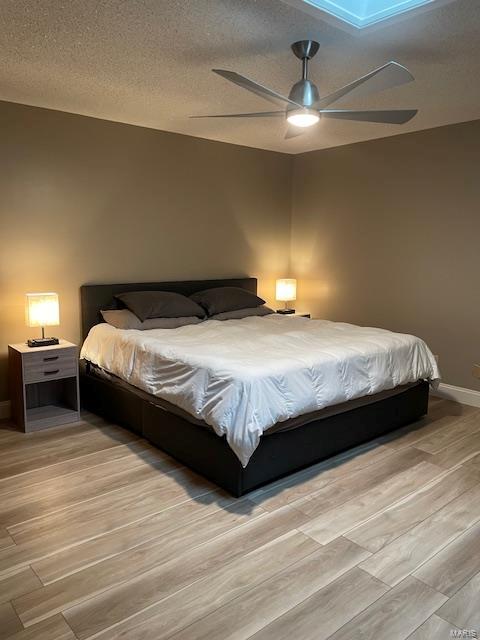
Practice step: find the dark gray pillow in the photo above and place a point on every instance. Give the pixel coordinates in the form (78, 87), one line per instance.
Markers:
(221, 299)
(160, 304)
(125, 319)
(242, 313)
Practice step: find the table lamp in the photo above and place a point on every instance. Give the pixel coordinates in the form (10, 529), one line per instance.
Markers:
(286, 291)
(42, 310)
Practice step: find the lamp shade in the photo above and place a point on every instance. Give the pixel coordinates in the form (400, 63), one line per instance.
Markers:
(41, 310)
(286, 289)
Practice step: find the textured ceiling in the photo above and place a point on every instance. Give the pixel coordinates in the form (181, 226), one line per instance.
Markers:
(147, 62)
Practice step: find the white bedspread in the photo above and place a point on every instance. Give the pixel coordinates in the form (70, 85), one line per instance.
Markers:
(243, 376)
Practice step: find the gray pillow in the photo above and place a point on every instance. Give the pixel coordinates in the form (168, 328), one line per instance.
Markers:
(221, 299)
(125, 319)
(242, 313)
(160, 304)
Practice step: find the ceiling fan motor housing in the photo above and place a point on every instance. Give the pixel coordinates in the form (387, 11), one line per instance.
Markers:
(305, 93)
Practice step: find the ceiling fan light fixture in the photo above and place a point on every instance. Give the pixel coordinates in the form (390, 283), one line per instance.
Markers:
(304, 107)
(303, 118)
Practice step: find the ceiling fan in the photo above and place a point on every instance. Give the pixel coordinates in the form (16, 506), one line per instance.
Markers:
(304, 107)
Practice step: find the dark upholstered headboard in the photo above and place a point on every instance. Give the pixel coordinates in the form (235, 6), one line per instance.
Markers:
(94, 297)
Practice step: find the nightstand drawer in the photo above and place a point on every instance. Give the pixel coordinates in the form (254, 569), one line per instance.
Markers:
(49, 365)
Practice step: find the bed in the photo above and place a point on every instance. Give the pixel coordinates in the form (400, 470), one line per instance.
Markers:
(244, 402)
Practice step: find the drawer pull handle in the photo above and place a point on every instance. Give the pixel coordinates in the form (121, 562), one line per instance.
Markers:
(51, 373)
(50, 358)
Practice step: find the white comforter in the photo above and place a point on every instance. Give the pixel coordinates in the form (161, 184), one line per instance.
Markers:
(243, 376)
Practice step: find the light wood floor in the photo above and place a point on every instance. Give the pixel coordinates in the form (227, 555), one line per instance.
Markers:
(103, 536)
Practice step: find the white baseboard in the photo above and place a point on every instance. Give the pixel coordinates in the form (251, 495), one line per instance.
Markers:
(4, 409)
(458, 394)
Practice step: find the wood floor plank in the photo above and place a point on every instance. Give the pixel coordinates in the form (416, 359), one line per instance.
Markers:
(54, 628)
(107, 532)
(473, 463)
(178, 484)
(6, 539)
(246, 615)
(443, 407)
(435, 421)
(408, 552)
(433, 629)
(450, 434)
(307, 481)
(8, 432)
(454, 565)
(323, 613)
(33, 445)
(112, 543)
(45, 536)
(406, 514)
(355, 484)
(60, 451)
(9, 621)
(50, 497)
(18, 442)
(395, 615)
(459, 452)
(463, 609)
(352, 513)
(62, 470)
(231, 580)
(18, 584)
(93, 580)
(151, 587)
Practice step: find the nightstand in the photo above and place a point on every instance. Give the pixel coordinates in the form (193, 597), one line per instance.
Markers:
(44, 389)
(297, 313)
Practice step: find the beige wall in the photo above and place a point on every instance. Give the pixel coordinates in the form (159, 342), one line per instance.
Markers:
(85, 200)
(387, 233)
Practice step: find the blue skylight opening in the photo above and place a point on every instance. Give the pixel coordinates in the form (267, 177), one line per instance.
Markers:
(363, 13)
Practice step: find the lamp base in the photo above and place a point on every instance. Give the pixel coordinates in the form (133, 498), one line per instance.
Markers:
(42, 342)
(286, 312)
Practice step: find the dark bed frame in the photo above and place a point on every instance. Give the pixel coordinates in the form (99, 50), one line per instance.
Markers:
(198, 447)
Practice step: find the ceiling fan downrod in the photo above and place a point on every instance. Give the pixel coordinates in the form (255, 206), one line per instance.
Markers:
(305, 50)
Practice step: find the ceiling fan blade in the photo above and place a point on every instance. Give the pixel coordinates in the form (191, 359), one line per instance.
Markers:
(392, 116)
(260, 114)
(293, 132)
(254, 87)
(388, 76)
